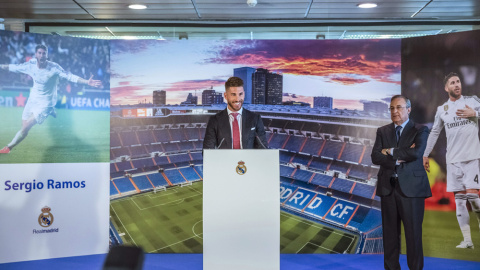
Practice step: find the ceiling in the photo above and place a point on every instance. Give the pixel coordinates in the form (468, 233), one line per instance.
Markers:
(226, 19)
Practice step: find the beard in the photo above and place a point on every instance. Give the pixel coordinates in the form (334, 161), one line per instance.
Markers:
(235, 107)
(454, 95)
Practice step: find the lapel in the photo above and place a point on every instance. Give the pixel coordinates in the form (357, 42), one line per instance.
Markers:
(225, 127)
(245, 128)
(406, 133)
(391, 139)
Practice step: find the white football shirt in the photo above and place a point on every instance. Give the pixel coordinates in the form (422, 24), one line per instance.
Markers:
(45, 80)
(462, 133)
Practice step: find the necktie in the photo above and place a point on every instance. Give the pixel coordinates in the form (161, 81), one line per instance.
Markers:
(397, 132)
(235, 132)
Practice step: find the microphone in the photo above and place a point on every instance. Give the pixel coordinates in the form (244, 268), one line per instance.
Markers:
(260, 141)
(220, 144)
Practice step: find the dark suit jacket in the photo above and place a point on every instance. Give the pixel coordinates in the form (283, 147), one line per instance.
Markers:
(218, 129)
(412, 177)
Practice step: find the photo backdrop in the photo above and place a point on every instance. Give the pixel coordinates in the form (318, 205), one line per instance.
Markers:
(321, 103)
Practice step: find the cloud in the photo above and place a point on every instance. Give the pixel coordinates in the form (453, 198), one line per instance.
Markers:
(345, 80)
(375, 59)
(191, 85)
(130, 94)
(130, 46)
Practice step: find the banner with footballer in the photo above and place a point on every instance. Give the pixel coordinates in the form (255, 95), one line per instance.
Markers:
(54, 146)
(441, 76)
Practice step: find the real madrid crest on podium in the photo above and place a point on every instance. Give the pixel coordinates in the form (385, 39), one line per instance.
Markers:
(241, 168)
(46, 218)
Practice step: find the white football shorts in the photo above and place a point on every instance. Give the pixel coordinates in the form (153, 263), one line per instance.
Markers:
(463, 175)
(39, 112)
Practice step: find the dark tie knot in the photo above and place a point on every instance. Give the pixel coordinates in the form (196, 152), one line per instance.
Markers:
(397, 132)
(234, 114)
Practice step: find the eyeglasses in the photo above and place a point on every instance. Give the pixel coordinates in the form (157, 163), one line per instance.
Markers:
(398, 108)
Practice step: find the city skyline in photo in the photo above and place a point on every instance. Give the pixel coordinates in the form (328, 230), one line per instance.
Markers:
(349, 71)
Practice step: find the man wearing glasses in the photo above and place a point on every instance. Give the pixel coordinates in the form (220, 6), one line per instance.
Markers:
(402, 183)
(459, 115)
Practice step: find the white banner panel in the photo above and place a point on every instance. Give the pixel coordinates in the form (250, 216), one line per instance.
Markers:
(53, 210)
(241, 211)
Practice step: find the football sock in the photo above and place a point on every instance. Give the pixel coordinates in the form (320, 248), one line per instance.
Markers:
(463, 216)
(17, 139)
(475, 203)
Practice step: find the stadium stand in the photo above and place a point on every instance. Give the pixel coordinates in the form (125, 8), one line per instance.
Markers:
(312, 146)
(359, 172)
(332, 149)
(339, 166)
(301, 159)
(179, 158)
(294, 143)
(363, 190)
(124, 165)
(171, 147)
(174, 176)
(142, 182)
(302, 175)
(285, 156)
(277, 140)
(138, 151)
(286, 171)
(320, 164)
(367, 159)
(352, 152)
(113, 189)
(161, 135)
(129, 138)
(124, 184)
(118, 152)
(145, 136)
(157, 179)
(342, 185)
(115, 140)
(321, 180)
(189, 174)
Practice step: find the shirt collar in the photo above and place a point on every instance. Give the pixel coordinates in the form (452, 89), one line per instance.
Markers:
(230, 112)
(404, 123)
(453, 102)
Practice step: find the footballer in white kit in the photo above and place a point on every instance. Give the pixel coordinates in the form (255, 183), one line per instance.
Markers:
(43, 95)
(459, 115)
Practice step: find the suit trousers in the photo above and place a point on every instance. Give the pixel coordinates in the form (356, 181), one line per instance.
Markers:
(396, 208)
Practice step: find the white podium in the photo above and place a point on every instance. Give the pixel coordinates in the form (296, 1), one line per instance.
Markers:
(241, 210)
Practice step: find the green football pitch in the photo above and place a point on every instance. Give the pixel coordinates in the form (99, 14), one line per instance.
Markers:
(171, 222)
(74, 136)
(441, 235)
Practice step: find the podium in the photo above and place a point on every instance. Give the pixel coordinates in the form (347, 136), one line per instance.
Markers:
(241, 209)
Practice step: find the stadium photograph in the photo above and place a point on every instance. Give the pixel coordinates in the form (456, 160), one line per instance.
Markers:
(320, 102)
(54, 99)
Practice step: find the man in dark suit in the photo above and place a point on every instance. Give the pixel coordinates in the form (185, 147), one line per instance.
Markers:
(235, 127)
(402, 183)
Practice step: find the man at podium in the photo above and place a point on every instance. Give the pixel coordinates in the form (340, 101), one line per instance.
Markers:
(235, 127)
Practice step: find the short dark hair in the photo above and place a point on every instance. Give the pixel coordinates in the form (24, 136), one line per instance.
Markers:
(449, 75)
(407, 101)
(40, 46)
(233, 82)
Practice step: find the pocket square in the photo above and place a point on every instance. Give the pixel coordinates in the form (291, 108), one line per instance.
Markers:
(253, 128)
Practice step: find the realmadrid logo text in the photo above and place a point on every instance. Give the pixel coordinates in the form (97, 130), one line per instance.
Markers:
(241, 168)
(46, 218)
